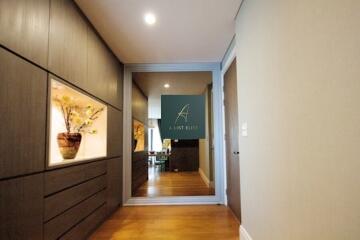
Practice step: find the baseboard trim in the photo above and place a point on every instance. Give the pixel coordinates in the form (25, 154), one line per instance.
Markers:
(204, 178)
(244, 235)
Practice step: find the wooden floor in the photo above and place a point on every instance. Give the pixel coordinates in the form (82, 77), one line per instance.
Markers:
(173, 184)
(170, 223)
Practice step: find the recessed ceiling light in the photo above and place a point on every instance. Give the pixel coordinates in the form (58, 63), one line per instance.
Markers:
(150, 18)
(166, 85)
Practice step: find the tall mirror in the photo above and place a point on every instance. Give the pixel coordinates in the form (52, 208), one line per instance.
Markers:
(172, 134)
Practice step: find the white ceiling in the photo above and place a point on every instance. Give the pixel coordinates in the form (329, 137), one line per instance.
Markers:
(185, 31)
(181, 83)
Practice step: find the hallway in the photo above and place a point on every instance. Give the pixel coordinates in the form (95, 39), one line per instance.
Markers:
(170, 223)
(173, 184)
(251, 105)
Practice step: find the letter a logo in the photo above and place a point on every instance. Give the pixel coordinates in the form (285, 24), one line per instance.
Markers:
(183, 113)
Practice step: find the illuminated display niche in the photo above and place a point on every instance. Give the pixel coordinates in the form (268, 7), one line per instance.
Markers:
(65, 149)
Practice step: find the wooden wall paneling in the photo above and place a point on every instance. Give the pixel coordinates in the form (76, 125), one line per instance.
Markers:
(57, 203)
(115, 132)
(120, 85)
(24, 26)
(68, 42)
(60, 179)
(114, 184)
(23, 89)
(61, 224)
(21, 208)
(97, 65)
(112, 80)
(104, 71)
(86, 227)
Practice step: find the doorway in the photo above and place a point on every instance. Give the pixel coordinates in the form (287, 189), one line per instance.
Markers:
(232, 140)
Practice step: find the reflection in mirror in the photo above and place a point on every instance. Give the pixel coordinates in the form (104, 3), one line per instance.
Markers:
(173, 112)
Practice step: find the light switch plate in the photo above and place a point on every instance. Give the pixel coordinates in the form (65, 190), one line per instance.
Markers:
(244, 133)
(244, 129)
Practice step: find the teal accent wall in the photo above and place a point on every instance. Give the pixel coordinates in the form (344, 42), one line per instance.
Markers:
(182, 116)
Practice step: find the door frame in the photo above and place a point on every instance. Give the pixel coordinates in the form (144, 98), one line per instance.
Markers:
(218, 198)
(228, 58)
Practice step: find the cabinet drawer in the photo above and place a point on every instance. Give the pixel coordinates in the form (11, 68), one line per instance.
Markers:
(61, 224)
(64, 178)
(64, 200)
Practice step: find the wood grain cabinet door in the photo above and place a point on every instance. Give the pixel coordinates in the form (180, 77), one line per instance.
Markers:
(120, 86)
(114, 184)
(104, 71)
(24, 28)
(97, 65)
(115, 133)
(112, 80)
(21, 208)
(68, 42)
(23, 116)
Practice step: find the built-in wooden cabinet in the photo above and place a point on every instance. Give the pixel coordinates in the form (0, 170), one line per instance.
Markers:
(85, 227)
(58, 180)
(96, 68)
(114, 184)
(139, 170)
(21, 208)
(68, 42)
(53, 37)
(24, 28)
(120, 86)
(78, 55)
(115, 132)
(23, 116)
(56, 227)
(104, 71)
(184, 155)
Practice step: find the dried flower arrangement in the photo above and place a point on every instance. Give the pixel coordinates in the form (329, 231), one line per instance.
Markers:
(78, 119)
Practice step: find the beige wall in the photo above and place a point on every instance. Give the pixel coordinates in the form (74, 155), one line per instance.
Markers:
(299, 90)
(204, 147)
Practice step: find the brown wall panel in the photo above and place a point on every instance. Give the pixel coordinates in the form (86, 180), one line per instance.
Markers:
(67, 177)
(114, 88)
(96, 70)
(64, 200)
(120, 85)
(23, 116)
(21, 208)
(105, 73)
(59, 225)
(115, 132)
(68, 42)
(114, 184)
(24, 26)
